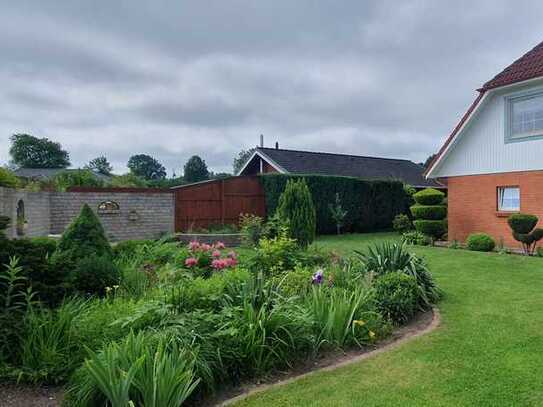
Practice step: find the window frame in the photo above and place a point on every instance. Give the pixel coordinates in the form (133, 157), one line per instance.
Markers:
(509, 102)
(503, 187)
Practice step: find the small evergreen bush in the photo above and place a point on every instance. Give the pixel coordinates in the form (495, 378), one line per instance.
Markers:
(402, 223)
(415, 238)
(396, 296)
(296, 206)
(480, 242)
(85, 237)
(93, 274)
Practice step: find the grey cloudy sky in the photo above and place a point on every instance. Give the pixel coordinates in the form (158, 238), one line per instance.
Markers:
(176, 78)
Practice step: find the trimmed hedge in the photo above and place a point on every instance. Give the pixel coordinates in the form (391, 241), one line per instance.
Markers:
(371, 205)
(480, 242)
(429, 212)
(429, 196)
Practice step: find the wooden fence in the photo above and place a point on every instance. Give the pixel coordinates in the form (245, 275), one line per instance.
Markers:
(217, 202)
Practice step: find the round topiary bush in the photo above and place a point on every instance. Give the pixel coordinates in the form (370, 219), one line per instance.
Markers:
(480, 242)
(429, 212)
(402, 223)
(522, 223)
(429, 196)
(396, 296)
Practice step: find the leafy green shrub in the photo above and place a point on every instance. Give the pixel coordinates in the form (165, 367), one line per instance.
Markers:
(402, 223)
(370, 205)
(480, 242)
(429, 212)
(274, 256)
(8, 179)
(295, 282)
(523, 226)
(396, 296)
(93, 274)
(385, 258)
(429, 196)
(208, 294)
(47, 282)
(76, 178)
(415, 238)
(296, 206)
(252, 228)
(129, 247)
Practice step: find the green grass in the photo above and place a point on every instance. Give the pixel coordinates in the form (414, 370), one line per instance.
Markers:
(487, 351)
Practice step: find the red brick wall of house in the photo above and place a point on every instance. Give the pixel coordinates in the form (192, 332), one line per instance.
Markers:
(473, 204)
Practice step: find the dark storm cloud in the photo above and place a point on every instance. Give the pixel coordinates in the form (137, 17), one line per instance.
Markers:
(176, 78)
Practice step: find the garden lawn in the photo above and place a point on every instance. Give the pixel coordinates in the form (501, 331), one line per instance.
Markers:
(488, 350)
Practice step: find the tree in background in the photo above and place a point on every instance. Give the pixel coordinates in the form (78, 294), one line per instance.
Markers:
(100, 165)
(128, 180)
(32, 152)
(296, 206)
(76, 178)
(195, 170)
(428, 161)
(146, 167)
(241, 159)
(338, 213)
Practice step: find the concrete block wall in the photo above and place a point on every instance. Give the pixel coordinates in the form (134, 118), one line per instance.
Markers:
(36, 211)
(141, 215)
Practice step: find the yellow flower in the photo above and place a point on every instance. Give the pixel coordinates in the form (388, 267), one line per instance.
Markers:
(372, 334)
(359, 322)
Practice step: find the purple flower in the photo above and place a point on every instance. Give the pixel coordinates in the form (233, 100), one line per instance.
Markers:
(318, 277)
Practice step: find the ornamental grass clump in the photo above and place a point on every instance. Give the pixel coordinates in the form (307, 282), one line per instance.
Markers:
(430, 212)
(524, 231)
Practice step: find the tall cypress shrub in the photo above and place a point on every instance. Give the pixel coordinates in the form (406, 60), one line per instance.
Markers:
(296, 206)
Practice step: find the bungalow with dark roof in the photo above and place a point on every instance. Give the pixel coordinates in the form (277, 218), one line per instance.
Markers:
(269, 160)
(492, 162)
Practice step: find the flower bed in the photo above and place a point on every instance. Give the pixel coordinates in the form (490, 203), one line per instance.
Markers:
(229, 239)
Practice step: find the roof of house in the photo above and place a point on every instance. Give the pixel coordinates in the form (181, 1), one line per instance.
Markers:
(308, 162)
(528, 66)
(46, 173)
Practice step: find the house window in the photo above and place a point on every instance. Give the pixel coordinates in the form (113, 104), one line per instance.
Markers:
(525, 117)
(509, 199)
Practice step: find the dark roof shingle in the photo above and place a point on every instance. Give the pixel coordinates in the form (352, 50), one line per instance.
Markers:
(307, 162)
(528, 66)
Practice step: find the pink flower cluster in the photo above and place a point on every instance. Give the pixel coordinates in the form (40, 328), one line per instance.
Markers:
(229, 261)
(200, 251)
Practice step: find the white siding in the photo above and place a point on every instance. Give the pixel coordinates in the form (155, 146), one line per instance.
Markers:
(481, 147)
